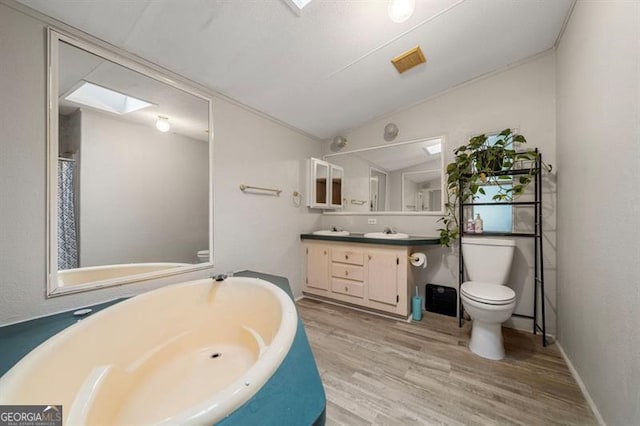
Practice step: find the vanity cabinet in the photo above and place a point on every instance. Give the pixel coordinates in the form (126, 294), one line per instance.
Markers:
(317, 269)
(325, 185)
(383, 268)
(369, 276)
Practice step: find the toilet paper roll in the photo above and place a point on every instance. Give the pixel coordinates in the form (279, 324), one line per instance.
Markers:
(418, 259)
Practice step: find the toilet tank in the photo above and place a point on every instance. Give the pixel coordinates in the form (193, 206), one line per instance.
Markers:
(488, 259)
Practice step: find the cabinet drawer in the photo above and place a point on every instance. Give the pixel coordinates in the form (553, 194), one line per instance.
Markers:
(340, 270)
(352, 257)
(350, 288)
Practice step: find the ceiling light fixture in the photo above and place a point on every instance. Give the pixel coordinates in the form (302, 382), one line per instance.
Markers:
(390, 132)
(162, 124)
(400, 10)
(338, 143)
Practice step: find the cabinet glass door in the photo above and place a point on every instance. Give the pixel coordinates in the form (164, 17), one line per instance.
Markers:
(320, 183)
(337, 174)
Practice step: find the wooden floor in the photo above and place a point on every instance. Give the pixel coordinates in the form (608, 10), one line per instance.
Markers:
(385, 372)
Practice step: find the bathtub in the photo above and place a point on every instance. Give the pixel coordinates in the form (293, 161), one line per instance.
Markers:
(188, 354)
(90, 274)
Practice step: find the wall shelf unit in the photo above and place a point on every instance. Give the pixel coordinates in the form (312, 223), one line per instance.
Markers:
(538, 315)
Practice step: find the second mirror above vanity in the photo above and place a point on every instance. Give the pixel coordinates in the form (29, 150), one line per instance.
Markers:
(403, 178)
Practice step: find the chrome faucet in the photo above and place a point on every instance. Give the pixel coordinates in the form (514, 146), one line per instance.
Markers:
(336, 229)
(219, 277)
(389, 230)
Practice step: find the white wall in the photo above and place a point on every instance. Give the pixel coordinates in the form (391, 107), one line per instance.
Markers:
(523, 97)
(250, 231)
(143, 193)
(598, 94)
(260, 232)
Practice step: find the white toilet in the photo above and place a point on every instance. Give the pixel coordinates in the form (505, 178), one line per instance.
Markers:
(486, 298)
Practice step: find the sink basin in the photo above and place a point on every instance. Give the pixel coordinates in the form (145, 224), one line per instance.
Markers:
(332, 233)
(396, 236)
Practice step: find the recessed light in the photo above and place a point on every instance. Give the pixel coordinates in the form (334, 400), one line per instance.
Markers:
(99, 97)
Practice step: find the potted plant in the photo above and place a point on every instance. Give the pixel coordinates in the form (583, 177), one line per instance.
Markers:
(480, 162)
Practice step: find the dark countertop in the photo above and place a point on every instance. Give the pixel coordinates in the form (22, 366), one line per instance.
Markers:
(293, 395)
(360, 238)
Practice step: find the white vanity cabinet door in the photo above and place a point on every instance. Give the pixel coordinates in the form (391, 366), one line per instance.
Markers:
(317, 268)
(383, 267)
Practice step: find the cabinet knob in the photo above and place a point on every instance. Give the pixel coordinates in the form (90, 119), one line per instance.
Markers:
(325, 252)
(346, 273)
(369, 257)
(346, 256)
(346, 288)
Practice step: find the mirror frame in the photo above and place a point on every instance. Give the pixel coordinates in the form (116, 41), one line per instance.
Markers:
(54, 37)
(443, 182)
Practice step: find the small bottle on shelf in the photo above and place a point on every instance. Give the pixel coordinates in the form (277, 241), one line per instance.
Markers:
(471, 227)
(478, 224)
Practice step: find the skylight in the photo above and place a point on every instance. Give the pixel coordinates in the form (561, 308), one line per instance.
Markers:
(297, 5)
(434, 149)
(106, 99)
(301, 3)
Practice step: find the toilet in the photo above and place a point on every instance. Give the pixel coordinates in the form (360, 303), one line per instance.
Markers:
(203, 256)
(485, 297)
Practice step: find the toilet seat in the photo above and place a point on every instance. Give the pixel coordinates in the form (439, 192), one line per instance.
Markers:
(490, 294)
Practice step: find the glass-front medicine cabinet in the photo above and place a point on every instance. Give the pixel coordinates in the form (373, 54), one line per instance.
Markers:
(325, 185)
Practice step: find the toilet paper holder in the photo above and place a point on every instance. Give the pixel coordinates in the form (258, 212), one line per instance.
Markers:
(418, 259)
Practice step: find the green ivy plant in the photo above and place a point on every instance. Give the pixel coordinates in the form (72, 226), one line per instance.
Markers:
(476, 164)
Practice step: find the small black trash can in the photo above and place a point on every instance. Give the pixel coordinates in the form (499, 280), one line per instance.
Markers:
(441, 299)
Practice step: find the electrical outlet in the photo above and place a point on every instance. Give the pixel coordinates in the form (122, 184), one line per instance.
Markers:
(372, 221)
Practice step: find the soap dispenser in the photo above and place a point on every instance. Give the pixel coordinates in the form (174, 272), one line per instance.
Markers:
(478, 224)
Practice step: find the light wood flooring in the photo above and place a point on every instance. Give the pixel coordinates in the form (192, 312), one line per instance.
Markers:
(386, 372)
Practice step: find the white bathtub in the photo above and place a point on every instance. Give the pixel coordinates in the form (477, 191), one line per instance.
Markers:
(89, 274)
(187, 354)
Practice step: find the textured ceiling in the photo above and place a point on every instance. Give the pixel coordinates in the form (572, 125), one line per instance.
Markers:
(327, 70)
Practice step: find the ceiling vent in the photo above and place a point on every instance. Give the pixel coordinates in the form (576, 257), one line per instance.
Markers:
(409, 59)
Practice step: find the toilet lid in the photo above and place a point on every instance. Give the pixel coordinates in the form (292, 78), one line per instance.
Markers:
(492, 294)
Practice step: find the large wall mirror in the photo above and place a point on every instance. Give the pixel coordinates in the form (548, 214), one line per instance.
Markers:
(400, 178)
(130, 164)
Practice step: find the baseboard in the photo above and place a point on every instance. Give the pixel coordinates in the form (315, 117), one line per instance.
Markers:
(582, 386)
(355, 308)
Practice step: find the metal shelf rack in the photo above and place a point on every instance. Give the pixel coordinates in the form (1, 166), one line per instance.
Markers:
(538, 280)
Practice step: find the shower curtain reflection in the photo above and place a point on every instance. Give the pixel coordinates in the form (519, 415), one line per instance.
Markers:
(67, 230)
